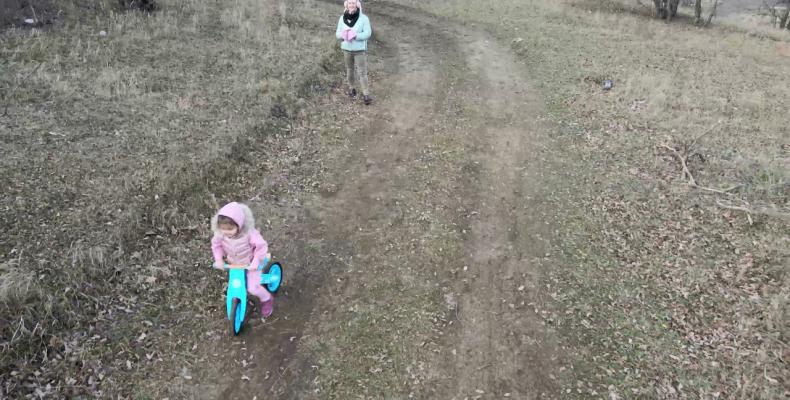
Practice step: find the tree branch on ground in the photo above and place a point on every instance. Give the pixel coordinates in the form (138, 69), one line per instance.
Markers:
(693, 182)
(748, 210)
(696, 139)
(771, 212)
(686, 172)
(736, 208)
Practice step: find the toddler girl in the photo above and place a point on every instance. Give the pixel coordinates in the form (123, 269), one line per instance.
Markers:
(238, 242)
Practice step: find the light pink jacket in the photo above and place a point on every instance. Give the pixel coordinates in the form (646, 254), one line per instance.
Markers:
(247, 247)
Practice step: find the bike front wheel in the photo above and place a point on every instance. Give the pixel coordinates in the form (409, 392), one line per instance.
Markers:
(236, 316)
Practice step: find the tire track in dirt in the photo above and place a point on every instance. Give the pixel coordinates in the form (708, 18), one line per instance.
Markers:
(504, 340)
(414, 93)
(499, 344)
(502, 346)
(256, 363)
(389, 133)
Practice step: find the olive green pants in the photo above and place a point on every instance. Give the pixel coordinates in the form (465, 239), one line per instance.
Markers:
(357, 65)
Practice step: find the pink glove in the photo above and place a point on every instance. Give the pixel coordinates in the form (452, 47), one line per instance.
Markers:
(219, 264)
(348, 34)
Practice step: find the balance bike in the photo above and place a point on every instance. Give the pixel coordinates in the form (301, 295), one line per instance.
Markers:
(236, 297)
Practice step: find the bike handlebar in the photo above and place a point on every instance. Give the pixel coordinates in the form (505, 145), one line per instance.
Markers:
(265, 261)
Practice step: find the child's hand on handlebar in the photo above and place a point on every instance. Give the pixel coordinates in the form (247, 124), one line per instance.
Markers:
(224, 266)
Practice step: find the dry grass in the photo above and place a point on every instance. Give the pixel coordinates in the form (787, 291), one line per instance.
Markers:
(116, 150)
(667, 290)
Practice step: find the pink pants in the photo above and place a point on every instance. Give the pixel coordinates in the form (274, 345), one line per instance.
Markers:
(254, 286)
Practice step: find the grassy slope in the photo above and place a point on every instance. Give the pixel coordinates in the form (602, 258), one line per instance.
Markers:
(115, 152)
(663, 292)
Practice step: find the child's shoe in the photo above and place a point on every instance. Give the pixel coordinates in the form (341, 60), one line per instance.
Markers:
(267, 308)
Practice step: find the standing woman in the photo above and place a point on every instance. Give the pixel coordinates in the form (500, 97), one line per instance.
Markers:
(354, 30)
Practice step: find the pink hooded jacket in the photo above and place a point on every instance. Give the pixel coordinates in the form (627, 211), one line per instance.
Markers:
(247, 247)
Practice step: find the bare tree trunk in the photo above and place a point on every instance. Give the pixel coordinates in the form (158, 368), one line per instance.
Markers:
(712, 12)
(783, 19)
(673, 8)
(661, 8)
(666, 9)
(697, 11)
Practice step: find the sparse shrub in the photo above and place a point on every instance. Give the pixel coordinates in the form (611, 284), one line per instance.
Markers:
(142, 5)
(666, 9)
(15, 286)
(780, 13)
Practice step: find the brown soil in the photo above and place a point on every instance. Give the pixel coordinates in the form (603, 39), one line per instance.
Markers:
(497, 344)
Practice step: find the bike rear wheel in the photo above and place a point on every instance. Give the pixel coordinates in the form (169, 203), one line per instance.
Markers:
(274, 271)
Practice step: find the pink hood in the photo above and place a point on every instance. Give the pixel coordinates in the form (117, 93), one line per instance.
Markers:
(239, 213)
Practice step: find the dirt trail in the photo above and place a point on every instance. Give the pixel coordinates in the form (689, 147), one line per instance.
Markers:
(430, 74)
(503, 345)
